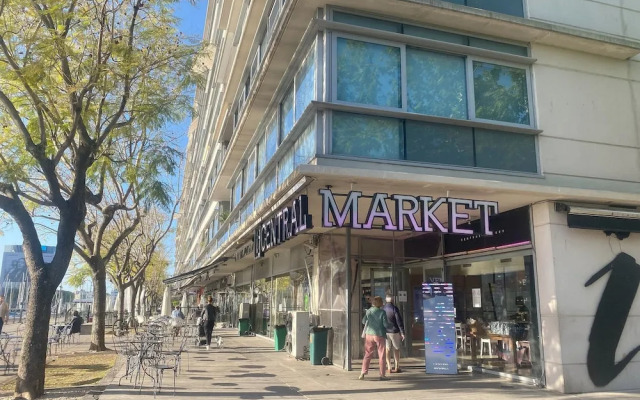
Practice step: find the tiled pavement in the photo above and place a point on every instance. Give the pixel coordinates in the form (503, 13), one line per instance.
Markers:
(249, 368)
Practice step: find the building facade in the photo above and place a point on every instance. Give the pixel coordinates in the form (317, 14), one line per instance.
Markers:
(352, 149)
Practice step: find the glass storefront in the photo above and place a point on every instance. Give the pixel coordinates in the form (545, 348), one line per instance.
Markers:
(290, 293)
(496, 314)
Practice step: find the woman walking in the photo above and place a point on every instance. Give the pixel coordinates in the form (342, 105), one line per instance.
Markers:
(375, 337)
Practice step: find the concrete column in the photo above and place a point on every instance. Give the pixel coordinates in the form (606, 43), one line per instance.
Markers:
(185, 303)
(166, 302)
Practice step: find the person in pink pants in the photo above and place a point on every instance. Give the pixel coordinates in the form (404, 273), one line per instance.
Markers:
(375, 337)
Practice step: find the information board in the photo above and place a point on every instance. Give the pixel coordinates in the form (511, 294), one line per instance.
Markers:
(439, 329)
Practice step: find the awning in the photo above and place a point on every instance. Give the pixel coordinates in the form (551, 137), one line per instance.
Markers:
(611, 219)
(195, 272)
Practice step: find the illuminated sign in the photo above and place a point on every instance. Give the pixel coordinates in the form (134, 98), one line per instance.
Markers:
(284, 225)
(398, 212)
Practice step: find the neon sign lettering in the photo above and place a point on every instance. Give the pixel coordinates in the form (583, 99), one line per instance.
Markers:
(284, 225)
(415, 213)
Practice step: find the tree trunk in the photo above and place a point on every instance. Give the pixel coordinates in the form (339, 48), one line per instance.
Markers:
(132, 305)
(121, 290)
(30, 379)
(99, 308)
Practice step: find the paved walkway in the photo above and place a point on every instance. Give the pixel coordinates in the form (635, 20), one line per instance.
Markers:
(249, 368)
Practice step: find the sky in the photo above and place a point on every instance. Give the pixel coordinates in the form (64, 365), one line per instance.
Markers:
(192, 18)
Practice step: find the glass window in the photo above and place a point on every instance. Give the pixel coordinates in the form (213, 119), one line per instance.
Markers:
(259, 197)
(305, 146)
(498, 46)
(511, 7)
(305, 83)
(287, 114)
(500, 93)
(505, 150)
(270, 184)
(435, 35)
(368, 73)
(285, 167)
(441, 144)
(272, 138)
(366, 136)
(237, 190)
(261, 159)
(250, 171)
(367, 22)
(436, 84)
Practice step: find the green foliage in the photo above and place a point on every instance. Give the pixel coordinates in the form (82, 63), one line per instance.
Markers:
(78, 275)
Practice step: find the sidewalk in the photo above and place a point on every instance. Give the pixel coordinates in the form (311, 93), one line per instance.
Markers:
(249, 368)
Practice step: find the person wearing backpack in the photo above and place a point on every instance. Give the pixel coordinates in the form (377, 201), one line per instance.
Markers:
(209, 319)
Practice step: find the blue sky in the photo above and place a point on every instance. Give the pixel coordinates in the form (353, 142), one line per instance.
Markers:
(192, 24)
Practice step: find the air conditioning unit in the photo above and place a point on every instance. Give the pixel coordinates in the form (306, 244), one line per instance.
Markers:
(300, 334)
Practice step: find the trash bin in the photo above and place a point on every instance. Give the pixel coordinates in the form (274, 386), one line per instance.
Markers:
(243, 326)
(318, 344)
(280, 336)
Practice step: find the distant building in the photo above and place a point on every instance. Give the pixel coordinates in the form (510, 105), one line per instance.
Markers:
(14, 267)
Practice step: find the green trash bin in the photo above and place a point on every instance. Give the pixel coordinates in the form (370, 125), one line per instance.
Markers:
(243, 326)
(318, 344)
(280, 336)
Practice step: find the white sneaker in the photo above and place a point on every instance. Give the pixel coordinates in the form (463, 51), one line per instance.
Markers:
(207, 347)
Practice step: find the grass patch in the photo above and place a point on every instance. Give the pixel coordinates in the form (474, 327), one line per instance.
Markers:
(74, 370)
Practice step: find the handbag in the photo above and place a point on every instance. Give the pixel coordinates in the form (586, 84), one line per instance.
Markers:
(364, 330)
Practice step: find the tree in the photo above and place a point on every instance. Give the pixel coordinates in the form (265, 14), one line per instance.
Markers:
(132, 180)
(137, 252)
(153, 286)
(75, 76)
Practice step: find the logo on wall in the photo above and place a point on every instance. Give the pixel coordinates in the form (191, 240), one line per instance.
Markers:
(415, 213)
(610, 319)
(284, 225)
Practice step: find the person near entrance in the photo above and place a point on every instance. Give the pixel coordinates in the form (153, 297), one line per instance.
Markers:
(375, 320)
(209, 319)
(395, 334)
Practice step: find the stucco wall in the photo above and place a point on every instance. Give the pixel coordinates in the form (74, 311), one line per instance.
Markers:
(617, 17)
(566, 259)
(589, 109)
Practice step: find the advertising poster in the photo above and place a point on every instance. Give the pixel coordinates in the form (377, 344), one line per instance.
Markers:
(14, 268)
(439, 329)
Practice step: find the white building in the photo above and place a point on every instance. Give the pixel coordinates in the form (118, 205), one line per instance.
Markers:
(527, 106)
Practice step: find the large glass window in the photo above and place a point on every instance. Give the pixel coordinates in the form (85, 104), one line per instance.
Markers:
(368, 73)
(261, 159)
(496, 314)
(305, 146)
(270, 184)
(250, 171)
(259, 197)
(500, 93)
(436, 84)
(305, 83)
(237, 190)
(285, 167)
(286, 113)
(505, 150)
(395, 139)
(272, 138)
(440, 144)
(366, 136)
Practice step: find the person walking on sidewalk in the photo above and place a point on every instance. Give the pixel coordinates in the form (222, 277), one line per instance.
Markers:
(375, 332)
(4, 312)
(209, 319)
(395, 333)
